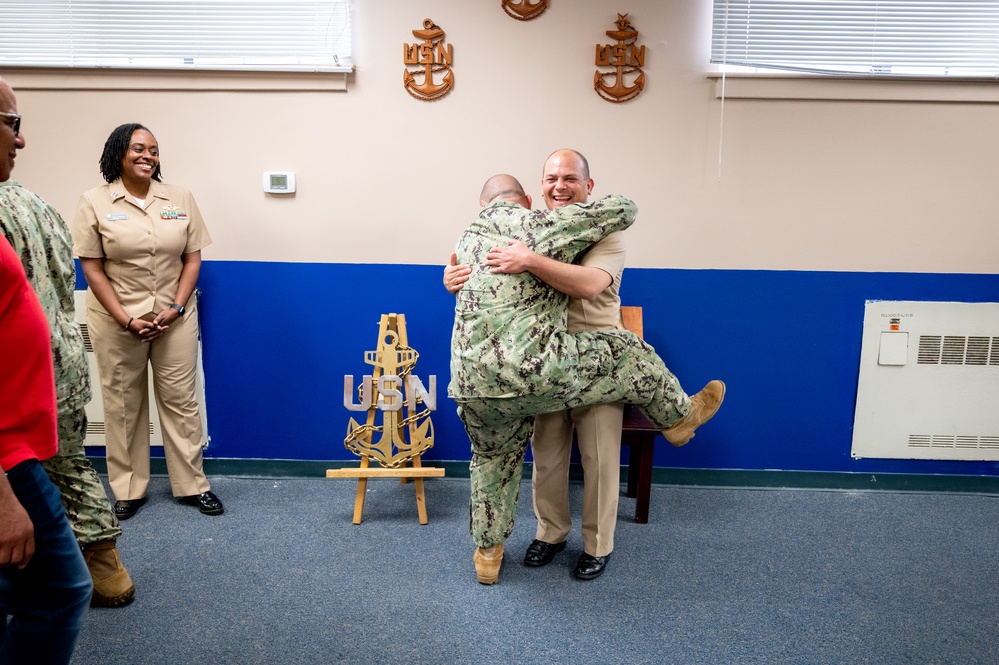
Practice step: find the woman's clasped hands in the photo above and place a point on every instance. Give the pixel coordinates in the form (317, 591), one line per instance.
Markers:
(152, 325)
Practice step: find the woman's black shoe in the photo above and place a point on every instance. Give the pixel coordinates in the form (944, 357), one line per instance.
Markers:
(206, 502)
(127, 507)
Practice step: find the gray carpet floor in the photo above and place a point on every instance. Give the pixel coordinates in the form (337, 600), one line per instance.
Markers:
(717, 576)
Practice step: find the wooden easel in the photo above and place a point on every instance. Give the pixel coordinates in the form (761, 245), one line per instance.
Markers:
(417, 472)
(398, 457)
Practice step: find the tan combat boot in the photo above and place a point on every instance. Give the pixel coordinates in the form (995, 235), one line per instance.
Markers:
(112, 585)
(487, 563)
(703, 405)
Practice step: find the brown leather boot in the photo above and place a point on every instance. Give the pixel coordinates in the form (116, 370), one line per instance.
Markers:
(487, 563)
(112, 585)
(703, 406)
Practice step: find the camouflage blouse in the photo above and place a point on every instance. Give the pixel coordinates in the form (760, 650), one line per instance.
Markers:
(43, 241)
(509, 336)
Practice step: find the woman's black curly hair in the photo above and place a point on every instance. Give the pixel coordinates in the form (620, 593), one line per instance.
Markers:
(114, 151)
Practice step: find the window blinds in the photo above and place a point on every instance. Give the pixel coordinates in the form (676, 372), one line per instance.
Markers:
(251, 35)
(872, 37)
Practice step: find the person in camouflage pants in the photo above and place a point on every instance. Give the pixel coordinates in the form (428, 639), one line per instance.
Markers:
(512, 358)
(42, 240)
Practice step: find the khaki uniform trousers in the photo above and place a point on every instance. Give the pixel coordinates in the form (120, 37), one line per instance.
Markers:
(123, 362)
(598, 435)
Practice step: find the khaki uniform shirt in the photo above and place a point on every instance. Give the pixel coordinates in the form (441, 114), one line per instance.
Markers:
(141, 247)
(604, 311)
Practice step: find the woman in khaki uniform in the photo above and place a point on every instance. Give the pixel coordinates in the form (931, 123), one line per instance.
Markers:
(139, 243)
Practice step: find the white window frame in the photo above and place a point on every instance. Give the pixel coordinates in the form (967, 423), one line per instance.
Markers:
(803, 70)
(184, 36)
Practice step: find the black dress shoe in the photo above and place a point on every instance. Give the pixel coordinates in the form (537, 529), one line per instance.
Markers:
(127, 507)
(540, 553)
(206, 502)
(590, 567)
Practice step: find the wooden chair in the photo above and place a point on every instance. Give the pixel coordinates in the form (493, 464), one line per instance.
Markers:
(639, 434)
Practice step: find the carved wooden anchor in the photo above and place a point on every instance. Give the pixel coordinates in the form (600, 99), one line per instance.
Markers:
(626, 58)
(434, 57)
(391, 390)
(525, 10)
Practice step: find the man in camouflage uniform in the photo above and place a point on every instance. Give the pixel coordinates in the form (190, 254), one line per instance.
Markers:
(42, 239)
(512, 359)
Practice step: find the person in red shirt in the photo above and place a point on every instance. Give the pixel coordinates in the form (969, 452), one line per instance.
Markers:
(45, 586)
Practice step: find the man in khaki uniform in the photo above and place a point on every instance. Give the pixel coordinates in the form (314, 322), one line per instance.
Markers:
(513, 359)
(593, 285)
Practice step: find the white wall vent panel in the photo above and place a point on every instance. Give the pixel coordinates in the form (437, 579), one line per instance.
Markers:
(929, 381)
(95, 409)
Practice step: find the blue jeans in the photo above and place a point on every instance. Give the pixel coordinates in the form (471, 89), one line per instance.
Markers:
(46, 600)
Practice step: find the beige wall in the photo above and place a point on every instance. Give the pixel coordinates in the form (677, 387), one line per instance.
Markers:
(385, 178)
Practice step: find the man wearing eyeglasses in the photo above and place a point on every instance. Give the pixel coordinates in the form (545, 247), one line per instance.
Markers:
(14, 121)
(10, 143)
(42, 240)
(44, 585)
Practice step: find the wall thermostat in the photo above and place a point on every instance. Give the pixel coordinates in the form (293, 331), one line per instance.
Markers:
(279, 182)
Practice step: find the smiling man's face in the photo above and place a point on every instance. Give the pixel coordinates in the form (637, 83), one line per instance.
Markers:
(565, 180)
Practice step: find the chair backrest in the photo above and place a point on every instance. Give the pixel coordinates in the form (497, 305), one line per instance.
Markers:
(631, 319)
(634, 419)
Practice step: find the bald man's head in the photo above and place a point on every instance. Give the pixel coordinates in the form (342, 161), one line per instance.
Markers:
(503, 187)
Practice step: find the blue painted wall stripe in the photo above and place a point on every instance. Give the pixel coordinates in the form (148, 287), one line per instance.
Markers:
(278, 339)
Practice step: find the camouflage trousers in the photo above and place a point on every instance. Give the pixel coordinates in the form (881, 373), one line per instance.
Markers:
(83, 495)
(613, 366)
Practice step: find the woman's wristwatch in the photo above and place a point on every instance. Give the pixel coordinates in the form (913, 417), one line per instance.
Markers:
(179, 308)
